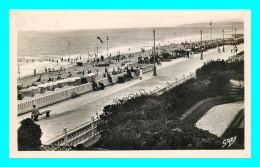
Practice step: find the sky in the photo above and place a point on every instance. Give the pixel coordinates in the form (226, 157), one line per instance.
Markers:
(44, 20)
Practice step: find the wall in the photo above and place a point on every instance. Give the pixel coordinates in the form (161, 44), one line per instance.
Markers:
(52, 98)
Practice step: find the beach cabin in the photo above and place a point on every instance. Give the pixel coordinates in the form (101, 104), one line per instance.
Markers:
(19, 94)
(91, 77)
(26, 93)
(55, 85)
(49, 86)
(65, 82)
(71, 82)
(77, 80)
(43, 88)
(34, 90)
(61, 83)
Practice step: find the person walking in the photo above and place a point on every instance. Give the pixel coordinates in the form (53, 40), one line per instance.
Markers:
(110, 79)
(141, 73)
(137, 72)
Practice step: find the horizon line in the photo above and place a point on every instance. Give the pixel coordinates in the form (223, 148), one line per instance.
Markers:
(126, 27)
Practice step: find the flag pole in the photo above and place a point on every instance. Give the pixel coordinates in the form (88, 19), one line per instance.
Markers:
(223, 40)
(107, 46)
(201, 53)
(69, 49)
(154, 67)
(97, 47)
(18, 65)
(210, 30)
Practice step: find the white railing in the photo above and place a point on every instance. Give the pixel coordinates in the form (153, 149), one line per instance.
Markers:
(87, 134)
(52, 98)
(177, 81)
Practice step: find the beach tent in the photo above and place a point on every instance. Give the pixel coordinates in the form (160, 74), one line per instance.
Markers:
(55, 85)
(34, 90)
(50, 86)
(91, 76)
(77, 80)
(27, 92)
(65, 82)
(61, 83)
(71, 81)
(43, 88)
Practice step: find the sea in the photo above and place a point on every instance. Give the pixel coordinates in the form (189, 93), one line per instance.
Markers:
(83, 43)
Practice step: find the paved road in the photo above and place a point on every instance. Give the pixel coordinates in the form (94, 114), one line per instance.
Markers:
(74, 112)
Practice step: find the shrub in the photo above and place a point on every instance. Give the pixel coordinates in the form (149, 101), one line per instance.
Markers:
(29, 135)
(152, 122)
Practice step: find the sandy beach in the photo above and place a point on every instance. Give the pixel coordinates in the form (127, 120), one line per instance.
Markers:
(26, 70)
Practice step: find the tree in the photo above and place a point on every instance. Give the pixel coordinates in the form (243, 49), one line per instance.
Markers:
(29, 135)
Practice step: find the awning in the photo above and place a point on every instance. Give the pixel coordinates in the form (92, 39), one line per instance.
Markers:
(25, 90)
(42, 86)
(71, 80)
(33, 88)
(77, 78)
(90, 75)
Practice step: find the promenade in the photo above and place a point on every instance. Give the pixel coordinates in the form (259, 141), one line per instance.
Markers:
(74, 112)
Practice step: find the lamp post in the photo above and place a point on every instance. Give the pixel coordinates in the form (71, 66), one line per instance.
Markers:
(154, 67)
(210, 30)
(236, 41)
(223, 41)
(69, 49)
(235, 37)
(18, 66)
(65, 136)
(201, 54)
